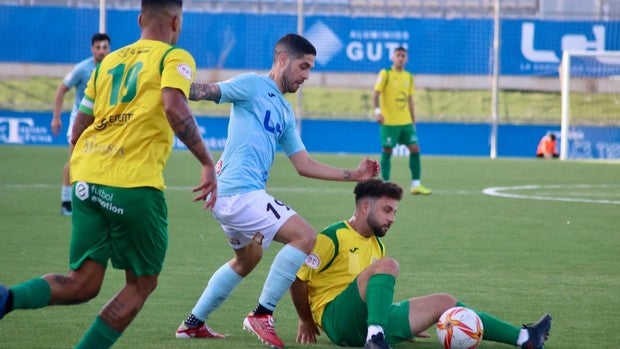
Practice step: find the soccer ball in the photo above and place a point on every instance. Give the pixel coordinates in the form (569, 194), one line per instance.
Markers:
(459, 328)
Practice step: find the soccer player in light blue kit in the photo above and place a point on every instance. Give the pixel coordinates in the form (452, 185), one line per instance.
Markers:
(77, 77)
(260, 120)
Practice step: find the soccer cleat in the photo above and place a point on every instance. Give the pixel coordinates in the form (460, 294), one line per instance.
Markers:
(377, 341)
(538, 333)
(4, 298)
(202, 331)
(262, 327)
(66, 209)
(420, 190)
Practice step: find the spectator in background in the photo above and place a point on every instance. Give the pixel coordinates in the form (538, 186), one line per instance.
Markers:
(546, 147)
(77, 77)
(394, 110)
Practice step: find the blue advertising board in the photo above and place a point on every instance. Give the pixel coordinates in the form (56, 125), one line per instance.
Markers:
(321, 136)
(344, 44)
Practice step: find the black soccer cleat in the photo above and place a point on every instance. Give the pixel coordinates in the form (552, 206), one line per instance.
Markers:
(66, 209)
(377, 341)
(538, 333)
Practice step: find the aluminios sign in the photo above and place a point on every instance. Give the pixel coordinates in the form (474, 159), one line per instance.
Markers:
(375, 45)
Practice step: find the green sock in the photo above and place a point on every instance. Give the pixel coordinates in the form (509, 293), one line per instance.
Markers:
(379, 297)
(386, 166)
(99, 336)
(496, 330)
(32, 294)
(415, 166)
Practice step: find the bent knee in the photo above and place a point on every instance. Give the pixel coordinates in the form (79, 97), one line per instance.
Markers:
(388, 265)
(308, 240)
(446, 300)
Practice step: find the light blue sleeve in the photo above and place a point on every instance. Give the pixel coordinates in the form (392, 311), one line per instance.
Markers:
(74, 77)
(239, 89)
(290, 141)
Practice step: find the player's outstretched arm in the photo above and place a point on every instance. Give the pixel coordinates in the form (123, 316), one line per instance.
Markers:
(307, 330)
(205, 92)
(184, 125)
(308, 167)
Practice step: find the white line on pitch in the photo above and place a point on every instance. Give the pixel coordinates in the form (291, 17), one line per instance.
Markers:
(500, 192)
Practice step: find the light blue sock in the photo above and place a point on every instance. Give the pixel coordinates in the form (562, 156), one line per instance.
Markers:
(219, 287)
(65, 193)
(281, 275)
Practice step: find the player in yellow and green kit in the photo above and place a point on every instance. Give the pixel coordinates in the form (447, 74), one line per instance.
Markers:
(394, 110)
(346, 287)
(135, 101)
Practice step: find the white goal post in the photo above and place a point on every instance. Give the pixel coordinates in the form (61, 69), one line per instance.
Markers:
(598, 72)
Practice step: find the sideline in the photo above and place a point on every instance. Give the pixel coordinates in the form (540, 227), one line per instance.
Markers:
(502, 192)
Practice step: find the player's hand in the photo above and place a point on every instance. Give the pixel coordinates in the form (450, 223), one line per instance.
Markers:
(380, 119)
(307, 332)
(56, 126)
(368, 169)
(207, 187)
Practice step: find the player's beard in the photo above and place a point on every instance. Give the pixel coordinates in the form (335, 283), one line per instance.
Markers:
(377, 228)
(289, 86)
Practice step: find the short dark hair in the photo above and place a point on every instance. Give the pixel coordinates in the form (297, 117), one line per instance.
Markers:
(99, 37)
(376, 188)
(401, 48)
(552, 136)
(161, 3)
(294, 45)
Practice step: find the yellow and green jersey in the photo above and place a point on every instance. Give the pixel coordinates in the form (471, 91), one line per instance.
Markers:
(395, 87)
(130, 140)
(339, 255)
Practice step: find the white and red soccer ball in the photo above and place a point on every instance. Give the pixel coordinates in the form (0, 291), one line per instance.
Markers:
(459, 328)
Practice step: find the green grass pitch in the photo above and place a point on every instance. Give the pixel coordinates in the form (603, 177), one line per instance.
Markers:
(516, 258)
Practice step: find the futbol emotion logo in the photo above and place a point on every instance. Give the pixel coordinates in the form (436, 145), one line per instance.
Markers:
(81, 190)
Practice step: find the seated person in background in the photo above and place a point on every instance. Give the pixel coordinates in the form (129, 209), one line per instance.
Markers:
(546, 147)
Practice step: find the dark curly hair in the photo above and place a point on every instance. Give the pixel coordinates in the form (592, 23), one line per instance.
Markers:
(377, 188)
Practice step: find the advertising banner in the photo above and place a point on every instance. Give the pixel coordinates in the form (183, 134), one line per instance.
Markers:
(344, 44)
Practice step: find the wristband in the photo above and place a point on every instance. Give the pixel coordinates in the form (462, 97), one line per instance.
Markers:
(377, 111)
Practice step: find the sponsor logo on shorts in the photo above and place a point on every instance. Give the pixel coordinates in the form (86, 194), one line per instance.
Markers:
(258, 238)
(234, 242)
(313, 261)
(81, 190)
(105, 200)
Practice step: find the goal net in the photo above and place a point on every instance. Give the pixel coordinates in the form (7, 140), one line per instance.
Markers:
(590, 105)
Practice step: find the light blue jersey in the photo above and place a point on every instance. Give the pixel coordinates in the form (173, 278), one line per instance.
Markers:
(78, 77)
(260, 120)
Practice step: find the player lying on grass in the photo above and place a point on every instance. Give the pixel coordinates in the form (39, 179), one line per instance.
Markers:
(346, 287)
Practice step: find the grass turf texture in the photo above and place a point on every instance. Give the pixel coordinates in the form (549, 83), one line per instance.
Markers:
(514, 258)
(37, 94)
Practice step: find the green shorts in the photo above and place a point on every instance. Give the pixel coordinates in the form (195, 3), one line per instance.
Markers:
(393, 135)
(128, 226)
(344, 320)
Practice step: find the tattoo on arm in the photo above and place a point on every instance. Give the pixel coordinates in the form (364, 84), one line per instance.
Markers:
(347, 174)
(207, 92)
(82, 121)
(186, 130)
